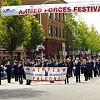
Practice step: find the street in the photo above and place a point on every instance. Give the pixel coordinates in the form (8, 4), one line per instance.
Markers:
(86, 90)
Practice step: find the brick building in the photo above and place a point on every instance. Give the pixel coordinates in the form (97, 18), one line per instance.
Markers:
(53, 28)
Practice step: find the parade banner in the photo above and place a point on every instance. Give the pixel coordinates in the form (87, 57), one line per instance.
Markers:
(45, 73)
(50, 8)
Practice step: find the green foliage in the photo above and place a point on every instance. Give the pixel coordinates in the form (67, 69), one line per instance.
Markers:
(36, 36)
(94, 39)
(70, 27)
(11, 2)
(84, 37)
(18, 30)
(14, 30)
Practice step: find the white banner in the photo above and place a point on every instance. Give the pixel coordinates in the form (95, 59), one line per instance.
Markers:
(45, 73)
(50, 8)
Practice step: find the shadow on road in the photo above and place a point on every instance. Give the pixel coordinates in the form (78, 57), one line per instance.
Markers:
(21, 93)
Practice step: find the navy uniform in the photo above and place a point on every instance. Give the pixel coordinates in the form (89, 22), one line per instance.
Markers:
(99, 68)
(9, 66)
(87, 69)
(91, 69)
(95, 67)
(20, 72)
(16, 70)
(71, 67)
(68, 70)
(78, 67)
(0, 74)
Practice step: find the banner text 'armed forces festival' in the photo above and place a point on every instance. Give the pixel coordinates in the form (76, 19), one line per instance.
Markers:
(50, 8)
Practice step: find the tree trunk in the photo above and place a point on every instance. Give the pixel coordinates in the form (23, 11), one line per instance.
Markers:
(11, 55)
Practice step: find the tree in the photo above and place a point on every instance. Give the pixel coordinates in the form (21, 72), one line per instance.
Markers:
(94, 39)
(70, 27)
(82, 36)
(13, 29)
(36, 36)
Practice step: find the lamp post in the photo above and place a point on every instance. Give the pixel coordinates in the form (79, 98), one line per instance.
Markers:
(43, 4)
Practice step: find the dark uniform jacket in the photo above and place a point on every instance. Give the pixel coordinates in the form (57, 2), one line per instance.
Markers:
(8, 68)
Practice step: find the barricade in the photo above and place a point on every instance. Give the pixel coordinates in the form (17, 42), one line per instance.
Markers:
(45, 73)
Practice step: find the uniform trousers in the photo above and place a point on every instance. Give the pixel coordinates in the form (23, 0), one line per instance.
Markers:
(9, 77)
(16, 76)
(0, 78)
(78, 76)
(20, 75)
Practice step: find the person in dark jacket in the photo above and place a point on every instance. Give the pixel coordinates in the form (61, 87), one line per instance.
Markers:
(68, 70)
(16, 70)
(87, 69)
(0, 73)
(78, 67)
(20, 72)
(9, 66)
(99, 68)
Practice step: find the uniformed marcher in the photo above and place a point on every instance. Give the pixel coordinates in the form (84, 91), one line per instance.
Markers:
(20, 72)
(9, 66)
(87, 70)
(16, 70)
(0, 73)
(68, 70)
(78, 67)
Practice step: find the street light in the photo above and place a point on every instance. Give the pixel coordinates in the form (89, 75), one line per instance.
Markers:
(43, 4)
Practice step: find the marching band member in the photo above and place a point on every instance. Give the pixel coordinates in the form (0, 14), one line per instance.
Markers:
(95, 67)
(9, 66)
(20, 72)
(15, 65)
(87, 70)
(78, 66)
(0, 72)
(99, 68)
(68, 70)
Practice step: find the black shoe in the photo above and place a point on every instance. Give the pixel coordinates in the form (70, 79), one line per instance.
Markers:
(51, 81)
(76, 81)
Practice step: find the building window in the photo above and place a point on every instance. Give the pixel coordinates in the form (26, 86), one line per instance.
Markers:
(55, 17)
(63, 33)
(59, 32)
(63, 16)
(59, 17)
(55, 31)
(49, 30)
(49, 15)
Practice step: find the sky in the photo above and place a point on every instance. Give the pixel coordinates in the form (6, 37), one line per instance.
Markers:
(89, 18)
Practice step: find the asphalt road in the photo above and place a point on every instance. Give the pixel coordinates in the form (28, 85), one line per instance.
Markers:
(86, 90)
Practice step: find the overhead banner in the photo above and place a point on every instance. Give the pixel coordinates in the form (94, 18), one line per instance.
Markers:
(45, 73)
(50, 8)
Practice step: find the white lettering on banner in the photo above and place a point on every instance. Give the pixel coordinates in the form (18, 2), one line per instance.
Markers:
(45, 73)
(50, 8)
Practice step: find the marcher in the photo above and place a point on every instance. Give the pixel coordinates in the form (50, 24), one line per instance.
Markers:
(0, 73)
(20, 72)
(8, 71)
(78, 66)
(87, 70)
(95, 67)
(68, 70)
(16, 70)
